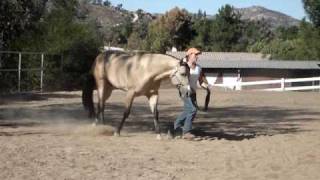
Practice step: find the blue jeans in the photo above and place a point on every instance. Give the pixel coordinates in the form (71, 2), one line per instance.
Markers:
(185, 119)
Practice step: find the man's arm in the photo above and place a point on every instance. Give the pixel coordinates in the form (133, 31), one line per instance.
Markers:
(205, 85)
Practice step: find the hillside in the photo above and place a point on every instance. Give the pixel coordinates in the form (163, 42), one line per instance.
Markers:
(108, 17)
(113, 16)
(274, 18)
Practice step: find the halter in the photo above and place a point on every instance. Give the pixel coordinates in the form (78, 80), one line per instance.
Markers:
(175, 78)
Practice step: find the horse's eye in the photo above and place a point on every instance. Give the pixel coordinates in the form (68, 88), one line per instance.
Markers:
(183, 70)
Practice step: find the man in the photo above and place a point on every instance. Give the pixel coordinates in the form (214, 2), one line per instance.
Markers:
(185, 119)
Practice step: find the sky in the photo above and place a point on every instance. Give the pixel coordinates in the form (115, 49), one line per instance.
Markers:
(292, 8)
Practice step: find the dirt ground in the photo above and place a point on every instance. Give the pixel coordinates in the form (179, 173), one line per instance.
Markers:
(252, 135)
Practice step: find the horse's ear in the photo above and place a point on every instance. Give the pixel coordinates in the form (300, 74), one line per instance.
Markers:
(180, 62)
(183, 61)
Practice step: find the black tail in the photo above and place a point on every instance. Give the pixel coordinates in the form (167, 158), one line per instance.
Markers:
(87, 95)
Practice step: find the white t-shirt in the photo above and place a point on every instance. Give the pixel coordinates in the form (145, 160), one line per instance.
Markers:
(194, 77)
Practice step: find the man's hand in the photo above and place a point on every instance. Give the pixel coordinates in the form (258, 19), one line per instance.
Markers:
(206, 86)
(184, 91)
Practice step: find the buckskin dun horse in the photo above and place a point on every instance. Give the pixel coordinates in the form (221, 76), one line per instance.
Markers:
(138, 74)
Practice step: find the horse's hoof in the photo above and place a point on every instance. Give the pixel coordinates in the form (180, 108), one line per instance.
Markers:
(159, 137)
(115, 134)
(169, 135)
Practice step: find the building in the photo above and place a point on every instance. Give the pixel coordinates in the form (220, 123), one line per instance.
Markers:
(228, 68)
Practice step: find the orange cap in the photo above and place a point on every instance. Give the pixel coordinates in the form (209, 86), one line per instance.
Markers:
(193, 51)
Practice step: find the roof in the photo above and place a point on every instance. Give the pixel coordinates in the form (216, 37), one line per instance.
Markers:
(266, 64)
(247, 61)
(222, 56)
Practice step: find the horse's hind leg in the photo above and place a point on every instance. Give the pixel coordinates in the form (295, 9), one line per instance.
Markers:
(153, 103)
(104, 91)
(128, 103)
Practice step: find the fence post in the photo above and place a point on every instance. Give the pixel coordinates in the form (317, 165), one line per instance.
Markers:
(41, 76)
(239, 80)
(239, 85)
(313, 84)
(19, 73)
(61, 62)
(282, 84)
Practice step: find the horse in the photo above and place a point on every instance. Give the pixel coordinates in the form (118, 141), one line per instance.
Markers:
(138, 74)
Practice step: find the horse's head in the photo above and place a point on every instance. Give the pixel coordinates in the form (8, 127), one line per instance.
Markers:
(180, 76)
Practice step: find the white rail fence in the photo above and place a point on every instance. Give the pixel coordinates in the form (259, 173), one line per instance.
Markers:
(283, 84)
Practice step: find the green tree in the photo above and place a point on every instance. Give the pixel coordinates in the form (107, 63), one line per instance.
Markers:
(60, 32)
(178, 23)
(134, 41)
(78, 41)
(120, 33)
(287, 33)
(107, 3)
(296, 43)
(158, 38)
(16, 17)
(310, 37)
(226, 30)
(312, 8)
(172, 29)
(201, 28)
(292, 45)
(138, 35)
(256, 34)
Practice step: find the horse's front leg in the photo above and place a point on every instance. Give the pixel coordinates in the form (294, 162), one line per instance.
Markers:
(153, 102)
(128, 103)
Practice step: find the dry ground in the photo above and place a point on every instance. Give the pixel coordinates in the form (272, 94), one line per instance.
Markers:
(256, 135)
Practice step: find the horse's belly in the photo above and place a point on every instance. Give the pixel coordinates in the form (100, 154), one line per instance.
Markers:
(118, 80)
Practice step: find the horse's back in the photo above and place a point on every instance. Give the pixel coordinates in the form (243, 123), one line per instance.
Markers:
(126, 71)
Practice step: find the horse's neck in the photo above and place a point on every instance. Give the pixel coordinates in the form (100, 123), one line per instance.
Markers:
(166, 67)
(168, 61)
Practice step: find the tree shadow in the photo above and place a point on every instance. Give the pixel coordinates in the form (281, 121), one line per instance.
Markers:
(230, 123)
(42, 114)
(21, 133)
(22, 97)
(16, 124)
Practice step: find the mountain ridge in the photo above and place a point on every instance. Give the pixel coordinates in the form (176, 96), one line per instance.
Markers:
(274, 18)
(113, 16)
